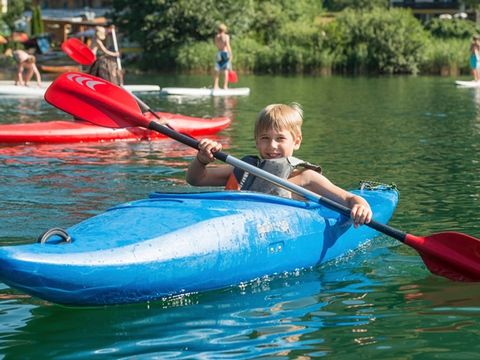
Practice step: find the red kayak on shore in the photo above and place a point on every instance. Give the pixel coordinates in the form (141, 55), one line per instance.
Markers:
(64, 131)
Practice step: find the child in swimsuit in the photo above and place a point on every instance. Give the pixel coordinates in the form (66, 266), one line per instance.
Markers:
(224, 56)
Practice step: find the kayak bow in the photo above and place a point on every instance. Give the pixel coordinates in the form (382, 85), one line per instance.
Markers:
(135, 252)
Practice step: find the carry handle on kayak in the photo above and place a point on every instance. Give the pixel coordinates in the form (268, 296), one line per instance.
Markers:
(449, 254)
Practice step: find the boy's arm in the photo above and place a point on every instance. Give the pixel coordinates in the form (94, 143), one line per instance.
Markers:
(198, 174)
(360, 209)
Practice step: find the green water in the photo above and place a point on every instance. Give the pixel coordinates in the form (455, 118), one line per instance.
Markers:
(421, 133)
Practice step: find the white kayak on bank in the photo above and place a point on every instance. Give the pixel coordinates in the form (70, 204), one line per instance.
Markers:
(471, 83)
(8, 88)
(205, 91)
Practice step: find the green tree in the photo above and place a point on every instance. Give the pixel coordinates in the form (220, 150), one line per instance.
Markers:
(451, 28)
(161, 26)
(272, 16)
(36, 21)
(390, 41)
(14, 11)
(338, 5)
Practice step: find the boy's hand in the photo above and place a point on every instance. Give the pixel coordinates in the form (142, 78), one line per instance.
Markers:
(206, 149)
(361, 214)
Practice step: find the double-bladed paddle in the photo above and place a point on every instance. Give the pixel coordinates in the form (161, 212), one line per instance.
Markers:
(449, 254)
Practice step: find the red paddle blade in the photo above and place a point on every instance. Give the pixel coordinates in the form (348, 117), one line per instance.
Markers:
(78, 51)
(95, 100)
(232, 76)
(453, 255)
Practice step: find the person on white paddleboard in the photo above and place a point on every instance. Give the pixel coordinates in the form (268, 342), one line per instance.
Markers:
(224, 56)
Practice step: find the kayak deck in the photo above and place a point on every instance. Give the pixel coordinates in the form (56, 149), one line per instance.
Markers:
(83, 131)
(180, 243)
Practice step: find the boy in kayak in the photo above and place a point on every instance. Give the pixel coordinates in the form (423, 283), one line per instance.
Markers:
(25, 62)
(224, 56)
(277, 135)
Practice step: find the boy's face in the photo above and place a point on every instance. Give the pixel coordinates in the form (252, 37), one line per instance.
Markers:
(272, 144)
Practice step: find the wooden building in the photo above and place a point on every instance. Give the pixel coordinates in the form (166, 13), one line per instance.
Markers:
(62, 18)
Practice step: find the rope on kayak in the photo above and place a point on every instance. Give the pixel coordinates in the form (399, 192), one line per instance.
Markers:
(376, 185)
(52, 232)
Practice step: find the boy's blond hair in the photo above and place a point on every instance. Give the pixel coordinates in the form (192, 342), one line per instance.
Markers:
(280, 117)
(222, 28)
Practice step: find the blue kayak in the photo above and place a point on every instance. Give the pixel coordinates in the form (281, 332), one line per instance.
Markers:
(181, 243)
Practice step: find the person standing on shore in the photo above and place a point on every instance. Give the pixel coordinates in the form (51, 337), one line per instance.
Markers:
(475, 57)
(224, 55)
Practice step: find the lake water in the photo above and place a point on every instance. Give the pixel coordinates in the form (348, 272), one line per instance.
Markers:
(421, 133)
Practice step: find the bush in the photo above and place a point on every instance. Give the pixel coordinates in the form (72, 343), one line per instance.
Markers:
(446, 57)
(291, 37)
(200, 56)
(245, 53)
(338, 5)
(390, 41)
(196, 57)
(251, 56)
(272, 15)
(451, 28)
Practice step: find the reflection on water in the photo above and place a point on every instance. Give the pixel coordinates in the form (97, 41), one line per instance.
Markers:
(24, 110)
(222, 105)
(272, 316)
(225, 104)
(165, 152)
(380, 302)
(336, 310)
